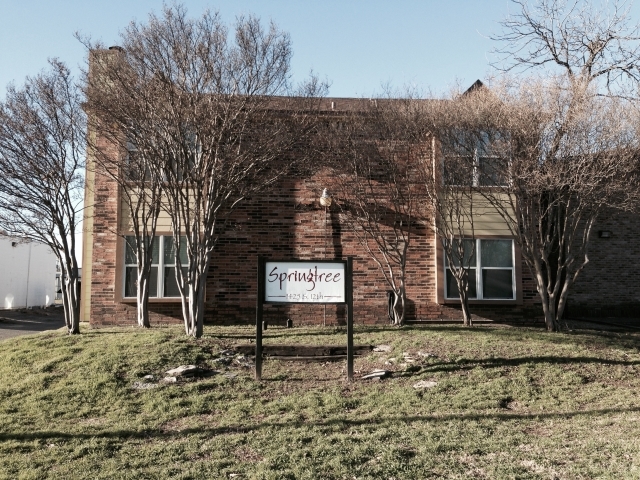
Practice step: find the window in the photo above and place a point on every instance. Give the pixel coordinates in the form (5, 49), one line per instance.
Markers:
(491, 272)
(136, 166)
(183, 150)
(162, 282)
(470, 161)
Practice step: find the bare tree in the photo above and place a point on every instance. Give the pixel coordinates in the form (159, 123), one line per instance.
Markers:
(564, 169)
(591, 45)
(42, 127)
(217, 129)
(568, 163)
(118, 107)
(377, 187)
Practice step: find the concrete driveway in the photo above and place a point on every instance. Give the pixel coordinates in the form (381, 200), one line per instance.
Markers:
(27, 321)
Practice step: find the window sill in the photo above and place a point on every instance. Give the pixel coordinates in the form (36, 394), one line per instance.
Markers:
(452, 301)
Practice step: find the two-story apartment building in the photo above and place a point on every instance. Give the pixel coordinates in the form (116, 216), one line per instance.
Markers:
(289, 222)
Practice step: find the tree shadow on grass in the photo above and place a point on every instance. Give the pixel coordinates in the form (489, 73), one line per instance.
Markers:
(614, 339)
(469, 364)
(230, 336)
(372, 421)
(116, 331)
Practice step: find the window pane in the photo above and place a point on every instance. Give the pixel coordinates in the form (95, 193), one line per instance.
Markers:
(130, 250)
(170, 284)
(491, 172)
(452, 286)
(131, 282)
(496, 253)
(169, 251)
(469, 253)
(156, 250)
(458, 170)
(153, 282)
(497, 284)
(183, 251)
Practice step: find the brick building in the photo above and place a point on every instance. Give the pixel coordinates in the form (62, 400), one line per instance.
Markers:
(290, 223)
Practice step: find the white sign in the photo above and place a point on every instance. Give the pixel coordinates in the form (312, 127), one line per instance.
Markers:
(305, 282)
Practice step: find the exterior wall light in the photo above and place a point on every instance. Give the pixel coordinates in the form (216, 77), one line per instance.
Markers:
(325, 199)
(605, 233)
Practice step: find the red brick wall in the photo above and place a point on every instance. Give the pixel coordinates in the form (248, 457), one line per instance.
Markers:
(104, 193)
(286, 223)
(291, 224)
(608, 285)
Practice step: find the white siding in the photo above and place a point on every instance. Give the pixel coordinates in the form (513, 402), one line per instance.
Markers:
(27, 274)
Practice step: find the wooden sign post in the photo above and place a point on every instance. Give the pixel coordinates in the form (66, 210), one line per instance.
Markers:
(305, 281)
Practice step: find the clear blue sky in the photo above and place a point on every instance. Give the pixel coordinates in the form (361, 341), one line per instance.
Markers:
(356, 44)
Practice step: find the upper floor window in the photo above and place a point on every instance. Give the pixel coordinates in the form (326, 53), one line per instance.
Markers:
(470, 159)
(171, 156)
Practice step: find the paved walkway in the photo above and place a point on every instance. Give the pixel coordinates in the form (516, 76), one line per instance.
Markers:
(25, 322)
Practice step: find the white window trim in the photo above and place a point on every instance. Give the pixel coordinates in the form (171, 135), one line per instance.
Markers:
(478, 273)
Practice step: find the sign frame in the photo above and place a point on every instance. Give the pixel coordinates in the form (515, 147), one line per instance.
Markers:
(261, 300)
(317, 262)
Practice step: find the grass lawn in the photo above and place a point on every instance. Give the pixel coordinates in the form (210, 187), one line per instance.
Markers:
(508, 403)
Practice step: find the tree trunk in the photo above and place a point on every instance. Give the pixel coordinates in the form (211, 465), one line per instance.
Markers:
(548, 301)
(463, 293)
(396, 315)
(550, 319)
(562, 299)
(554, 307)
(399, 306)
(70, 293)
(196, 311)
(142, 300)
(72, 305)
(194, 319)
(466, 313)
(402, 298)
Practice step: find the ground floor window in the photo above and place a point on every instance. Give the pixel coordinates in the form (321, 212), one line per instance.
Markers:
(491, 272)
(162, 282)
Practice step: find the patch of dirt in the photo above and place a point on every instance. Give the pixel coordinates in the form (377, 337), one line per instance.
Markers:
(247, 455)
(180, 424)
(538, 431)
(514, 405)
(93, 421)
(176, 425)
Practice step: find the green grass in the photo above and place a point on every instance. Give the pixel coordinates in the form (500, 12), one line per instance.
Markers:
(509, 403)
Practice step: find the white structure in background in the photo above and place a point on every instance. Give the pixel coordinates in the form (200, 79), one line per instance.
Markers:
(58, 300)
(27, 273)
